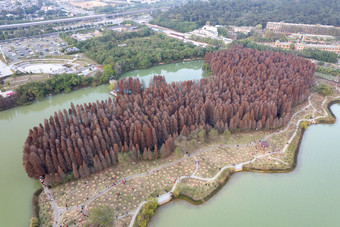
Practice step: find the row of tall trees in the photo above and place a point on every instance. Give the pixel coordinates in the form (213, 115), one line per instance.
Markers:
(250, 89)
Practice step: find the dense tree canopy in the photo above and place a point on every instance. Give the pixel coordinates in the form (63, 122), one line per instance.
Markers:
(29, 92)
(319, 55)
(55, 85)
(249, 13)
(26, 32)
(250, 89)
(119, 52)
(137, 50)
(324, 89)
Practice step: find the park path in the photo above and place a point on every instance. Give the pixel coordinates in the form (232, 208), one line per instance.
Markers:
(167, 196)
(54, 205)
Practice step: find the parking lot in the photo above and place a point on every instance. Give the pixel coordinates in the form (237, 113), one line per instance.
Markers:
(25, 48)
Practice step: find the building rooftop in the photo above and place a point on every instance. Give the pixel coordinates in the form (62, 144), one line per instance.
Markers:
(314, 35)
(72, 49)
(311, 25)
(317, 45)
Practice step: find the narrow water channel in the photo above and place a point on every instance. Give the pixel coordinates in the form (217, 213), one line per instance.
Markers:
(308, 196)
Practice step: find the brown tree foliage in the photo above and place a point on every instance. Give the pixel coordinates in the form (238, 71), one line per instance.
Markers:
(250, 90)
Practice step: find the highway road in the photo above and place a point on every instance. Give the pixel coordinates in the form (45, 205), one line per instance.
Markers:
(30, 24)
(116, 21)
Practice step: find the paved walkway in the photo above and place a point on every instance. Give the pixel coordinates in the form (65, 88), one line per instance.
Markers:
(54, 205)
(59, 210)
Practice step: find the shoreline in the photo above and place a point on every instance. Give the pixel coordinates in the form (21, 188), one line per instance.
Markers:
(172, 62)
(35, 203)
(226, 178)
(119, 77)
(222, 178)
(221, 183)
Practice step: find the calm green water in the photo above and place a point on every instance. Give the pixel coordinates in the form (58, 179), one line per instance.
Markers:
(308, 196)
(16, 188)
(173, 72)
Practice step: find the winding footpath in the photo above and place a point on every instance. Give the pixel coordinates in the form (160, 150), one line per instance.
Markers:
(58, 211)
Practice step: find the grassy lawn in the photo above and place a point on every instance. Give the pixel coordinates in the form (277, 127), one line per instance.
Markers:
(196, 189)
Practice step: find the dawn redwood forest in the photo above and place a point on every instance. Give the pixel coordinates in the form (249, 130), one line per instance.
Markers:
(249, 90)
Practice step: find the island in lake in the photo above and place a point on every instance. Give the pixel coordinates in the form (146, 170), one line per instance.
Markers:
(119, 159)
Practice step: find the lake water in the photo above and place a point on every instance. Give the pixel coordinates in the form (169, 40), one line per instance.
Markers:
(16, 188)
(173, 72)
(308, 196)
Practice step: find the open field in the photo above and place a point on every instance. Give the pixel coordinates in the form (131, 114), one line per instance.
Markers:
(88, 4)
(195, 176)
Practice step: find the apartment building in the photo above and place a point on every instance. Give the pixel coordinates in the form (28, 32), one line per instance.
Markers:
(302, 46)
(289, 28)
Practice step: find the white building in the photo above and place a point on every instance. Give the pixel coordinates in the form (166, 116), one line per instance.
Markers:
(206, 31)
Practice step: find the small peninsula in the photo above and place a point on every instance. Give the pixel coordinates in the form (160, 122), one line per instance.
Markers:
(181, 140)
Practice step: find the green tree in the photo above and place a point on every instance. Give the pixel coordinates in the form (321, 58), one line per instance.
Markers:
(226, 134)
(213, 133)
(108, 71)
(102, 216)
(223, 32)
(146, 213)
(175, 194)
(124, 158)
(320, 55)
(206, 68)
(179, 152)
(324, 89)
(240, 35)
(142, 49)
(304, 125)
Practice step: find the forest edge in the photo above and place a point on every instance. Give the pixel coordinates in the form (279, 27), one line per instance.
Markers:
(226, 176)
